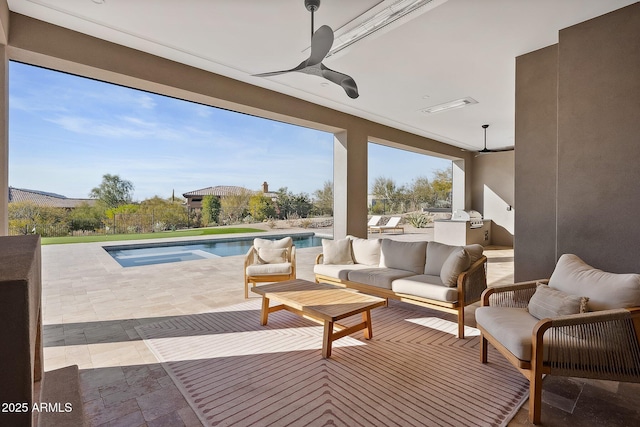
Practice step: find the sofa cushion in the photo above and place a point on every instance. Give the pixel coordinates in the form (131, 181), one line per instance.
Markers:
(285, 242)
(425, 286)
(378, 277)
(512, 327)
(456, 263)
(437, 254)
(338, 271)
(365, 251)
(475, 252)
(269, 269)
(273, 255)
(547, 302)
(336, 252)
(409, 256)
(604, 290)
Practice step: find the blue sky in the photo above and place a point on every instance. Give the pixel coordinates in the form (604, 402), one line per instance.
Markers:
(65, 132)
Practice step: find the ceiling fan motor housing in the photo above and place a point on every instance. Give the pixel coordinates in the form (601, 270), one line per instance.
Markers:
(312, 5)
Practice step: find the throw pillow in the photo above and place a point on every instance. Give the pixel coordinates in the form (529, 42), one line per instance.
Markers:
(437, 254)
(457, 262)
(336, 252)
(285, 242)
(365, 251)
(549, 303)
(273, 255)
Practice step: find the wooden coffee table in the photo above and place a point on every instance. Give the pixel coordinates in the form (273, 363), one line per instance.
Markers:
(321, 302)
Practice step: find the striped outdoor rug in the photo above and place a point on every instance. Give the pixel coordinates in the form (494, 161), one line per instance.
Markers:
(414, 372)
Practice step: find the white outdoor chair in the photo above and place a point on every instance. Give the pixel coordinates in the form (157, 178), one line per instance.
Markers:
(392, 224)
(269, 261)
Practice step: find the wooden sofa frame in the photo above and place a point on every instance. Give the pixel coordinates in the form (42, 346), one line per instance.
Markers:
(518, 295)
(471, 283)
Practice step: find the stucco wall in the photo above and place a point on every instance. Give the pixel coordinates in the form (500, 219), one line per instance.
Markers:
(588, 205)
(493, 193)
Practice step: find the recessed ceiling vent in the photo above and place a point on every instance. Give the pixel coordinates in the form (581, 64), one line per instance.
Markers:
(451, 105)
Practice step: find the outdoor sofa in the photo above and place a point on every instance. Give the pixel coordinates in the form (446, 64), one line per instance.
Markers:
(430, 274)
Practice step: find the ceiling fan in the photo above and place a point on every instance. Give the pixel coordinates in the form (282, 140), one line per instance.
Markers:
(321, 42)
(485, 149)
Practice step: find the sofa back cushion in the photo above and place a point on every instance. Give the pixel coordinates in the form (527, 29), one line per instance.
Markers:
(365, 251)
(407, 256)
(336, 252)
(604, 290)
(437, 254)
(475, 252)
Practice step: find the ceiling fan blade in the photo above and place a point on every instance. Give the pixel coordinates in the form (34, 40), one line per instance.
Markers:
(301, 66)
(321, 43)
(347, 83)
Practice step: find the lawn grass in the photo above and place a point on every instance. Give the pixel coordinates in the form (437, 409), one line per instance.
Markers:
(161, 235)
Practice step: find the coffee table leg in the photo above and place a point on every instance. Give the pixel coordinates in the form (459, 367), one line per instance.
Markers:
(368, 330)
(327, 339)
(264, 314)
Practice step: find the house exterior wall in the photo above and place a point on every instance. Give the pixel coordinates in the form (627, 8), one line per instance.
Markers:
(589, 204)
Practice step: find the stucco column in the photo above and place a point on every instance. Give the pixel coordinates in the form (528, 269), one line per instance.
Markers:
(4, 141)
(350, 184)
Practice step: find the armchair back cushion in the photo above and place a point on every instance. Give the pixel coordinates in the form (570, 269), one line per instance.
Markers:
(285, 242)
(604, 290)
(273, 255)
(409, 256)
(365, 251)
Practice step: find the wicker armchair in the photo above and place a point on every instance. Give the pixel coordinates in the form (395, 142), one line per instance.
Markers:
(603, 344)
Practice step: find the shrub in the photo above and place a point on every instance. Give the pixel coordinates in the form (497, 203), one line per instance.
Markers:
(419, 220)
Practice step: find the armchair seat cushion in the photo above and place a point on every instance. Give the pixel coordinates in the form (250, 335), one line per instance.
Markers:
(425, 286)
(269, 269)
(378, 277)
(512, 327)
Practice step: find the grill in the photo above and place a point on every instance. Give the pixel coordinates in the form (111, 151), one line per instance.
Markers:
(474, 217)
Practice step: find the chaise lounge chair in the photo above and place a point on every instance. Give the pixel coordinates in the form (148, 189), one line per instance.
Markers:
(391, 225)
(375, 219)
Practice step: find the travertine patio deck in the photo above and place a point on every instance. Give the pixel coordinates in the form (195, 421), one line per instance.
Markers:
(92, 305)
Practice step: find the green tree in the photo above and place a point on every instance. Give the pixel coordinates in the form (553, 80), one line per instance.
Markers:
(164, 214)
(261, 207)
(323, 199)
(442, 184)
(113, 191)
(389, 194)
(235, 207)
(28, 217)
(86, 217)
(420, 192)
(211, 208)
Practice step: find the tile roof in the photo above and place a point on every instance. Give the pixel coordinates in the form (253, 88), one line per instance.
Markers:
(218, 190)
(43, 198)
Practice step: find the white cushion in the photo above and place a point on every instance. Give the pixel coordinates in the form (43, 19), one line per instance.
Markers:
(408, 256)
(425, 286)
(365, 251)
(272, 255)
(456, 263)
(604, 290)
(269, 269)
(285, 242)
(336, 252)
(475, 252)
(547, 302)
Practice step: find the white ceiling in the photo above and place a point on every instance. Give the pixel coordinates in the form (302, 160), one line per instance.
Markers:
(451, 49)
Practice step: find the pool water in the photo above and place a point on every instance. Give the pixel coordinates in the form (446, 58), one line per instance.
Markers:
(162, 253)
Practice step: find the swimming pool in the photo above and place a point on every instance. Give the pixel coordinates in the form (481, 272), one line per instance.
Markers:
(162, 253)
